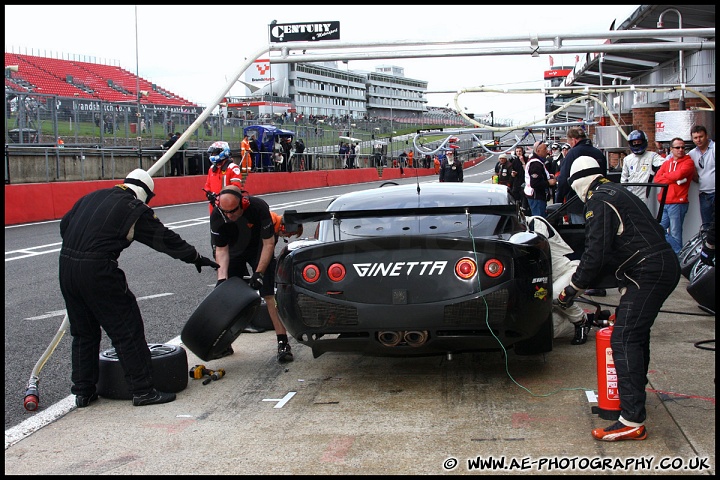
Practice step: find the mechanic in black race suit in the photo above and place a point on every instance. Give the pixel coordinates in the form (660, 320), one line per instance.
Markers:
(243, 232)
(95, 231)
(621, 234)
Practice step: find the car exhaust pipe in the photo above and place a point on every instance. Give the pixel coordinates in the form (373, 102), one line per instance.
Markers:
(416, 338)
(390, 338)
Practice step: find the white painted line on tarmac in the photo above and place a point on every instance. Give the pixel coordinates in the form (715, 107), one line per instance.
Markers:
(281, 401)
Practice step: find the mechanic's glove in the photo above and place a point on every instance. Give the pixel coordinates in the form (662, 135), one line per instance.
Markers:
(707, 255)
(210, 196)
(204, 262)
(219, 282)
(567, 297)
(256, 281)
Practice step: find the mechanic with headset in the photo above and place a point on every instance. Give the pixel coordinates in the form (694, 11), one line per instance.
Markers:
(95, 231)
(621, 234)
(641, 165)
(243, 233)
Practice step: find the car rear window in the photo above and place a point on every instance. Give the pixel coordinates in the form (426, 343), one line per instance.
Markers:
(482, 225)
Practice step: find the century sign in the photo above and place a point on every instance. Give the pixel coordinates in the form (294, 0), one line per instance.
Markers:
(304, 32)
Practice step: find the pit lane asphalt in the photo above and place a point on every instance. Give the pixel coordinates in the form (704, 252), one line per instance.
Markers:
(352, 414)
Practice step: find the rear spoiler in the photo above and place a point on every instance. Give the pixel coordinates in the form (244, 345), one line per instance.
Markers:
(293, 217)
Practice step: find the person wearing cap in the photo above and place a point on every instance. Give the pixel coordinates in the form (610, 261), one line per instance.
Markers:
(94, 232)
(451, 169)
(503, 170)
(622, 235)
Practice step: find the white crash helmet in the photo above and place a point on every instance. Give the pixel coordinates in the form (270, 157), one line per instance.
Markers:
(140, 182)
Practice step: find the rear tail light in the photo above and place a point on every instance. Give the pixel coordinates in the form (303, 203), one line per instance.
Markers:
(311, 273)
(336, 272)
(494, 268)
(465, 268)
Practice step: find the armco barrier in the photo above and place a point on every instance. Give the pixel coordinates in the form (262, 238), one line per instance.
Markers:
(36, 202)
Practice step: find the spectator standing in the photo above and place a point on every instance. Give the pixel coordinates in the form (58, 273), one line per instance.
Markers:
(172, 138)
(343, 154)
(622, 234)
(436, 164)
(538, 180)
(641, 165)
(402, 158)
(287, 153)
(677, 171)
(300, 154)
(246, 162)
(255, 154)
(518, 166)
(503, 170)
(352, 155)
(178, 159)
(703, 156)
(143, 126)
(95, 231)
(410, 157)
(278, 158)
(451, 169)
(580, 145)
(550, 166)
(243, 233)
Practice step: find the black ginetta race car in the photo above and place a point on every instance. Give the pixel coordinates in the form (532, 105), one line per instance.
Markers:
(408, 270)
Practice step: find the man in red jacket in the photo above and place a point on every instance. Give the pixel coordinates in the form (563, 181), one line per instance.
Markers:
(677, 171)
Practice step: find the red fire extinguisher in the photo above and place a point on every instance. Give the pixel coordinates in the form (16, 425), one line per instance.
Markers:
(608, 406)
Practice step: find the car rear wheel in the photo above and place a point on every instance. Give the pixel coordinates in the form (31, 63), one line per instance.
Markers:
(220, 319)
(689, 255)
(702, 285)
(170, 371)
(541, 342)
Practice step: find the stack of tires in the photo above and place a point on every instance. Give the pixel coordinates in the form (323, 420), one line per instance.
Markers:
(701, 276)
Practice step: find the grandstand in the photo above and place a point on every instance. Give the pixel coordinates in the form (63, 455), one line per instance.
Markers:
(70, 78)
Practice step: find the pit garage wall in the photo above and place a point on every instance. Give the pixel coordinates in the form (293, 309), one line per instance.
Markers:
(36, 202)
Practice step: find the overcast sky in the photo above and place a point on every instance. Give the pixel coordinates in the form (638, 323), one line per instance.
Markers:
(194, 50)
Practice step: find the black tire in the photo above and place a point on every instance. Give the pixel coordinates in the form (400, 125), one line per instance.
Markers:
(702, 286)
(170, 371)
(220, 318)
(541, 342)
(689, 255)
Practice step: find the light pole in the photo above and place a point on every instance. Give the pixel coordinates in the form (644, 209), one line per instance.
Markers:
(347, 64)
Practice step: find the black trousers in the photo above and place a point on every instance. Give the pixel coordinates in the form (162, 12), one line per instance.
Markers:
(652, 282)
(97, 296)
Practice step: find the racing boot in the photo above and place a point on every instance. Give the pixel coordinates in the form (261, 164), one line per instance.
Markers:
(83, 401)
(153, 397)
(582, 328)
(284, 352)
